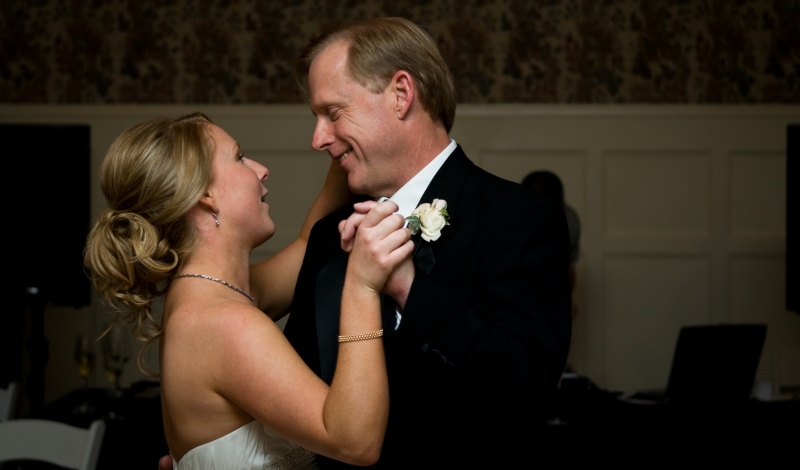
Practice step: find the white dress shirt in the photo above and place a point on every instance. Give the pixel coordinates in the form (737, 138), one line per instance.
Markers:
(408, 197)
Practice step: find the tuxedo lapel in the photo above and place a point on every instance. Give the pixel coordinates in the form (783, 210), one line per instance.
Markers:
(329, 281)
(328, 301)
(448, 182)
(445, 185)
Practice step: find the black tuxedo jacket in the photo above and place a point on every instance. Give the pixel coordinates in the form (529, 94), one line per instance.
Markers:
(475, 362)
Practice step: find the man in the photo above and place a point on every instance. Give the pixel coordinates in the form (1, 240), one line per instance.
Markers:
(549, 184)
(476, 337)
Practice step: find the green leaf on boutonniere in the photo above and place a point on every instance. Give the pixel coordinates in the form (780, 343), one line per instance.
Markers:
(413, 224)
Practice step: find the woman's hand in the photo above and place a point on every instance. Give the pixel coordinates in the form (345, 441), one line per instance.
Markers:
(399, 281)
(349, 226)
(377, 242)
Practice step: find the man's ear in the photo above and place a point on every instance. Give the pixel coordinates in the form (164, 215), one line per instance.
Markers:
(404, 90)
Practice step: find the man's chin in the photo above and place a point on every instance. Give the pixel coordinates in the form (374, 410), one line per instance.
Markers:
(355, 186)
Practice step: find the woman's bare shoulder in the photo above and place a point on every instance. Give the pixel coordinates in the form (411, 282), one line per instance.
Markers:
(217, 320)
(195, 353)
(215, 344)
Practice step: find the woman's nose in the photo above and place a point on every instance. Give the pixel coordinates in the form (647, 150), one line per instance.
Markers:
(261, 171)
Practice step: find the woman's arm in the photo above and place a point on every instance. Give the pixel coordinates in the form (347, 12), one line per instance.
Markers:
(272, 281)
(260, 372)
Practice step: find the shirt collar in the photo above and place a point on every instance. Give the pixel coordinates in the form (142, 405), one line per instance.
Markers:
(407, 198)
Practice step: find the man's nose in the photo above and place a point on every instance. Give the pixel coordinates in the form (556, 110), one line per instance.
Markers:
(323, 137)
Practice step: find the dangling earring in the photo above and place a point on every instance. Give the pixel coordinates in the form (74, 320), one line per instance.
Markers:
(215, 219)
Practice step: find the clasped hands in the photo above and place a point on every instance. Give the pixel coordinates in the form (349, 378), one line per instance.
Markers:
(384, 247)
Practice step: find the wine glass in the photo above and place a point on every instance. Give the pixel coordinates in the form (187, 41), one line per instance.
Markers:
(84, 360)
(116, 353)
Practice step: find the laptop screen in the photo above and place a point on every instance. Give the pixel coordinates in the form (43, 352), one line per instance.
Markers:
(715, 363)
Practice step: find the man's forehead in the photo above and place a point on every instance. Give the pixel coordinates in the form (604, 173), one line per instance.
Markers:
(329, 80)
(334, 55)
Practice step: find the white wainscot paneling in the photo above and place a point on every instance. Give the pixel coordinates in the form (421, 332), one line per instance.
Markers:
(682, 211)
(657, 194)
(295, 179)
(758, 195)
(648, 300)
(568, 164)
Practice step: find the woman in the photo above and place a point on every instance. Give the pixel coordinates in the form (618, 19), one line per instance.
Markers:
(185, 209)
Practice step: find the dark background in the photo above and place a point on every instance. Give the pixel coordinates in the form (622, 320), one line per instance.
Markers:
(49, 167)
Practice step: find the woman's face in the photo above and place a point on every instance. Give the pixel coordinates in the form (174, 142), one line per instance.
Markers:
(238, 191)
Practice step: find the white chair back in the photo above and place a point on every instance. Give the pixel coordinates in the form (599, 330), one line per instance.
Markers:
(51, 441)
(8, 401)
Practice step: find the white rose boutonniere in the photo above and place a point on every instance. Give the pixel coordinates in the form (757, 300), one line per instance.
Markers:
(430, 219)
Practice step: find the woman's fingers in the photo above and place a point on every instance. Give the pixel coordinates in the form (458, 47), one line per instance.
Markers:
(369, 211)
(379, 246)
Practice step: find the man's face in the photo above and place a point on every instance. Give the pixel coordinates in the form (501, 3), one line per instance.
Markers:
(354, 125)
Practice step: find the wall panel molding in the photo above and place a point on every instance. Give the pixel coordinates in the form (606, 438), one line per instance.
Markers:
(714, 185)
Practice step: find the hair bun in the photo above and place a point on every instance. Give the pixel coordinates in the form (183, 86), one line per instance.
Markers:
(143, 242)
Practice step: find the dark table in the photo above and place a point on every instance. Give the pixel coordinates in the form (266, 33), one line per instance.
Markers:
(592, 427)
(595, 426)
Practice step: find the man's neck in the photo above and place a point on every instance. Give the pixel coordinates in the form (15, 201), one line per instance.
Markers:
(407, 197)
(426, 147)
(416, 141)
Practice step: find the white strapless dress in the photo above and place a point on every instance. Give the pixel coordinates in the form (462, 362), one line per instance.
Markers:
(252, 446)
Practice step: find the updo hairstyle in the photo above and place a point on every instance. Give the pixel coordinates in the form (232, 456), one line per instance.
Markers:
(153, 174)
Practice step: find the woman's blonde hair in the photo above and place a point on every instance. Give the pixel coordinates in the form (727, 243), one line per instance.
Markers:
(152, 175)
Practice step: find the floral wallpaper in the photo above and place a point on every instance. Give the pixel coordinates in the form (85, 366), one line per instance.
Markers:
(500, 51)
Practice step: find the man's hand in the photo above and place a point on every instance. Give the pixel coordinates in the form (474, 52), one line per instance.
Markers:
(399, 283)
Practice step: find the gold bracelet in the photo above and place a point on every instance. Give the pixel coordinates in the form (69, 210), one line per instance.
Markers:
(362, 337)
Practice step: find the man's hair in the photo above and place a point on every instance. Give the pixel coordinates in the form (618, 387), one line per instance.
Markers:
(378, 48)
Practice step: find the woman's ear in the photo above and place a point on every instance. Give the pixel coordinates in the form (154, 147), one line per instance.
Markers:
(209, 203)
(404, 91)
